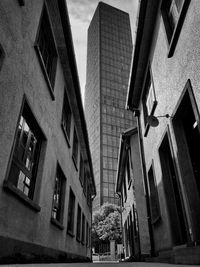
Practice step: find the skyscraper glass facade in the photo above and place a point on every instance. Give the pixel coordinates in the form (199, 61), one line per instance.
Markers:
(108, 66)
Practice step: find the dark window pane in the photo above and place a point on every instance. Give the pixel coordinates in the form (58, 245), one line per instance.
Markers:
(71, 207)
(23, 168)
(58, 196)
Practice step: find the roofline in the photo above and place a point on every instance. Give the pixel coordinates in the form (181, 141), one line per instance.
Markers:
(72, 62)
(145, 30)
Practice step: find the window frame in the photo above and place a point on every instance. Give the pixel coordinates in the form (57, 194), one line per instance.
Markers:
(2, 56)
(154, 219)
(78, 223)
(8, 185)
(172, 35)
(75, 149)
(81, 170)
(59, 173)
(49, 77)
(71, 213)
(149, 85)
(67, 110)
(83, 229)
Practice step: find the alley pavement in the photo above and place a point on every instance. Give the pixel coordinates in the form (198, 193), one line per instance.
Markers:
(102, 264)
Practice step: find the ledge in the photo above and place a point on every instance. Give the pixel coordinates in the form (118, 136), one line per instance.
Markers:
(8, 186)
(57, 223)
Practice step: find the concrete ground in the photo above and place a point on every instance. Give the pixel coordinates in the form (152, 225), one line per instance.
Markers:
(102, 264)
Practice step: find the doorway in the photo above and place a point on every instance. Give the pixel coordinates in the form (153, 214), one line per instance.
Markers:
(172, 194)
(187, 134)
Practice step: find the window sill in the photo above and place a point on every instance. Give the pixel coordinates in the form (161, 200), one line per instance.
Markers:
(177, 29)
(66, 136)
(57, 223)
(44, 71)
(8, 186)
(75, 164)
(69, 232)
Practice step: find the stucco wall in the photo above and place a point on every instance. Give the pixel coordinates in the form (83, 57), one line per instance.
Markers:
(170, 76)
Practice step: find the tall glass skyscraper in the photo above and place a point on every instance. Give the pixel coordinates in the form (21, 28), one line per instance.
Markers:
(108, 65)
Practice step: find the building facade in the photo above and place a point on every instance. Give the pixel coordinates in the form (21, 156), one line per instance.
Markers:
(130, 188)
(108, 66)
(46, 181)
(164, 95)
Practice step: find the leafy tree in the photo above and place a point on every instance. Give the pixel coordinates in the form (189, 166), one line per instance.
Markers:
(106, 224)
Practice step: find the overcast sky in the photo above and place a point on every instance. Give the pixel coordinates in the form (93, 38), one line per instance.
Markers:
(80, 14)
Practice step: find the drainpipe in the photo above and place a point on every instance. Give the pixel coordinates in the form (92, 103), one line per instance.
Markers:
(141, 145)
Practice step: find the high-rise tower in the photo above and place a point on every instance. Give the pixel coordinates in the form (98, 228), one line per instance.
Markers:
(108, 64)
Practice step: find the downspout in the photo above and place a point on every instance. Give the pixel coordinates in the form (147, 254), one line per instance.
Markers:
(141, 147)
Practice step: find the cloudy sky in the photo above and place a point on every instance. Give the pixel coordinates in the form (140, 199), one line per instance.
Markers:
(80, 13)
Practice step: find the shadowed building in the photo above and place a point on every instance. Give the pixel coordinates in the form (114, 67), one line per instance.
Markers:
(46, 176)
(108, 65)
(130, 188)
(164, 95)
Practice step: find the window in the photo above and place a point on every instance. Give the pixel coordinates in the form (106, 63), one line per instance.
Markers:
(173, 13)
(128, 175)
(66, 118)
(75, 148)
(85, 183)
(2, 55)
(58, 198)
(71, 209)
(124, 189)
(21, 2)
(88, 195)
(87, 232)
(83, 229)
(46, 49)
(78, 224)
(153, 194)
(149, 101)
(25, 158)
(81, 171)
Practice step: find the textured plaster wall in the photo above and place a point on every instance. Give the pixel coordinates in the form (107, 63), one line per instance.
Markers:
(21, 75)
(170, 76)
